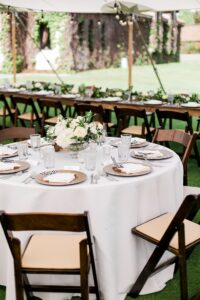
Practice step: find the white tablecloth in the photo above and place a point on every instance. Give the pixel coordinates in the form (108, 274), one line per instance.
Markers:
(114, 208)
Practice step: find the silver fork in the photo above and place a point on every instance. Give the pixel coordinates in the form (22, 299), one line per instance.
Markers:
(118, 165)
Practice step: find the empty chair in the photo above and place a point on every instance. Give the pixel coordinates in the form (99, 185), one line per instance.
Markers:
(180, 137)
(51, 253)
(16, 133)
(123, 119)
(25, 111)
(174, 233)
(184, 117)
(6, 110)
(46, 107)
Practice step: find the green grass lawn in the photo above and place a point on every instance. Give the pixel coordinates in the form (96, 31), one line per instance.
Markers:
(176, 78)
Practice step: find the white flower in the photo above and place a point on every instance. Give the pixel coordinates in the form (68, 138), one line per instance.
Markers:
(60, 127)
(118, 94)
(38, 85)
(74, 123)
(80, 132)
(51, 131)
(64, 139)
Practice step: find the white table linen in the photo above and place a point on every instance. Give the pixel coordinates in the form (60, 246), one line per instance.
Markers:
(114, 208)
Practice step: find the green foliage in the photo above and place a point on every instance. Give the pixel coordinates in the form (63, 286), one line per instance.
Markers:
(52, 20)
(187, 16)
(197, 17)
(90, 36)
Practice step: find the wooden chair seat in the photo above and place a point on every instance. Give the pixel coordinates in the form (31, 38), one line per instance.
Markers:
(53, 252)
(5, 112)
(136, 130)
(191, 190)
(154, 229)
(52, 120)
(62, 244)
(172, 232)
(29, 116)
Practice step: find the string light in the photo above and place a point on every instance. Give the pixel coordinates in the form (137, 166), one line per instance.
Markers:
(117, 17)
(99, 22)
(115, 7)
(72, 19)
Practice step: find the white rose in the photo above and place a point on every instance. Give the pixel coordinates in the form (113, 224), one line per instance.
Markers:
(80, 132)
(64, 139)
(118, 94)
(38, 85)
(74, 123)
(51, 131)
(59, 127)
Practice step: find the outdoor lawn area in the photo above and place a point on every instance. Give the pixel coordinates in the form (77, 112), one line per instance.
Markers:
(176, 77)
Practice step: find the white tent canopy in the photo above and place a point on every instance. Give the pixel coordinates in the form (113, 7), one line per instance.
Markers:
(96, 6)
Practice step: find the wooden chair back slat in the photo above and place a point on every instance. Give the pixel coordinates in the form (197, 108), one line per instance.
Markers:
(98, 111)
(16, 133)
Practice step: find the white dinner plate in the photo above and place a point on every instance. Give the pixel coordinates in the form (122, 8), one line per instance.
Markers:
(191, 104)
(153, 102)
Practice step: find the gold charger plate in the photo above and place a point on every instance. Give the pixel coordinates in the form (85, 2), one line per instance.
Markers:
(23, 165)
(166, 154)
(79, 177)
(115, 143)
(113, 170)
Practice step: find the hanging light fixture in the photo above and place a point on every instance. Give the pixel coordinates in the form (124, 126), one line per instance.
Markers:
(99, 22)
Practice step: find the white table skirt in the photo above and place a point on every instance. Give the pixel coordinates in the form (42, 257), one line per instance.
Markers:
(114, 208)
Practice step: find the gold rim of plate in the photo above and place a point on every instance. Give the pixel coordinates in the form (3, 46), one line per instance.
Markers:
(113, 170)
(79, 177)
(133, 145)
(23, 165)
(166, 154)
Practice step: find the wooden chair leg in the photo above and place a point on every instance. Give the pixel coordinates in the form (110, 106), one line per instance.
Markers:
(197, 155)
(84, 270)
(147, 270)
(182, 264)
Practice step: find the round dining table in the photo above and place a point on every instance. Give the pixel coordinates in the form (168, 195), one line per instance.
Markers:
(115, 205)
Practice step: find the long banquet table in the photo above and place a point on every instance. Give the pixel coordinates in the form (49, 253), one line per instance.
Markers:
(71, 100)
(114, 208)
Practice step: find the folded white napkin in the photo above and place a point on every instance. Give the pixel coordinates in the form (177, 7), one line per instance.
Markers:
(137, 140)
(112, 99)
(73, 168)
(60, 177)
(133, 168)
(7, 151)
(149, 153)
(8, 166)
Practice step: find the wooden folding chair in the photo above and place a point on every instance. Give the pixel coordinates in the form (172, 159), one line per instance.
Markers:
(174, 233)
(180, 137)
(184, 117)
(66, 254)
(99, 114)
(46, 107)
(6, 110)
(123, 118)
(25, 111)
(16, 133)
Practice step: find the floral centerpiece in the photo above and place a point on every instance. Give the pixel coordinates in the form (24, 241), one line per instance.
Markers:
(73, 133)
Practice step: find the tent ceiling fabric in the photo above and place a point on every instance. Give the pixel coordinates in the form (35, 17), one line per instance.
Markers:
(97, 6)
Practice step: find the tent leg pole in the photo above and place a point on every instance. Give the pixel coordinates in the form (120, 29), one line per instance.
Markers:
(130, 52)
(14, 46)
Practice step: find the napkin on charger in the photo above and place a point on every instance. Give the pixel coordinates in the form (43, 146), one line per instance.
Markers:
(60, 177)
(7, 151)
(8, 166)
(149, 153)
(133, 168)
(137, 140)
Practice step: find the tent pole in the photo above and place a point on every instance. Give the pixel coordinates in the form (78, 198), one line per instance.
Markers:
(130, 52)
(148, 53)
(14, 46)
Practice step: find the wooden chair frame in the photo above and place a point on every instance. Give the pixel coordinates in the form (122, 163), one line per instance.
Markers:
(163, 115)
(7, 110)
(123, 117)
(81, 109)
(50, 222)
(190, 205)
(16, 133)
(16, 100)
(45, 106)
(180, 137)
